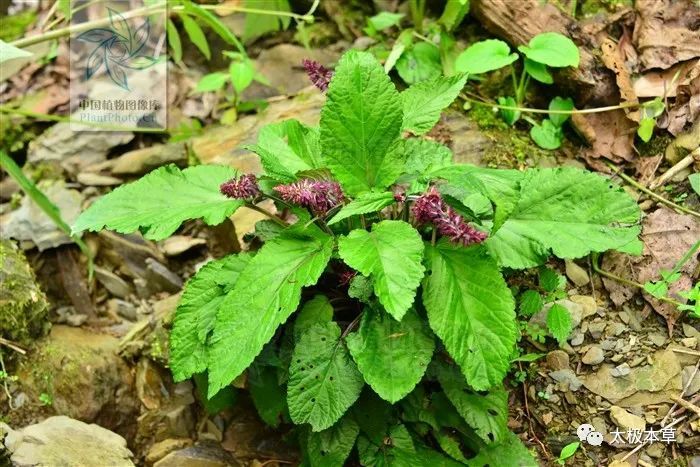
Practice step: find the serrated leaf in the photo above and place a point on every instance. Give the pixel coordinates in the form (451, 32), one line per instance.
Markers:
(288, 147)
(424, 101)
(266, 293)
(196, 313)
(391, 254)
(359, 124)
(568, 211)
(486, 413)
(323, 380)
(361, 288)
(550, 280)
(530, 302)
(162, 200)
(510, 452)
(364, 204)
(392, 356)
(424, 156)
(196, 35)
(559, 323)
(471, 309)
(485, 56)
(552, 49)
(419, 63)
(331, 447)
(450, 445)
(396, 449)
(318, 310)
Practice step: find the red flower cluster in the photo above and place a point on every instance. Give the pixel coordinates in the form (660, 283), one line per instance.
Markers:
(431, 208)
(243, 187)
(318, 74)
(318, 195)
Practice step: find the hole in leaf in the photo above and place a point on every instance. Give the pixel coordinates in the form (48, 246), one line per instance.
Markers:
(493, 412)
(313, 399)
(324, 452)
(491, 437)
(331, 378)
(298, 360)
(323, 339)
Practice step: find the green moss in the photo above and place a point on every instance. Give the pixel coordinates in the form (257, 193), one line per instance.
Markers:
(592, 7)
(656, 145)
(12, 27)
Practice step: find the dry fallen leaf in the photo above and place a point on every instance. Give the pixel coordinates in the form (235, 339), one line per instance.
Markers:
(609, 134)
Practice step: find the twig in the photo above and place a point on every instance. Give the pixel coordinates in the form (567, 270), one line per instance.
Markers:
(685, 388)
(686, 404)
(265, 212)
(352, 324)
(12, 346)
(687, 351)
(682, 164)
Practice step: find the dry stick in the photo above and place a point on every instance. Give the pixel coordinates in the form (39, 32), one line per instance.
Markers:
(12, 346)
(685, 388)
(682, 164)
(685, 351)
(686, 404)
(627, 456)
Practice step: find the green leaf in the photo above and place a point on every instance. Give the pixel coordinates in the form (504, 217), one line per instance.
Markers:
(174, 40)
(266, 293)
(694, 180)
(361, 288)
(559, 323)
(454, 13)
(196, 314)
(318, 310)
(391, 254)
(224, 399)
(159, 202)
(196, 35)
(359, 123)
(510, 452)
(568, 211)
(471, 309)
(569, 450)
(656, 289)
(424, 156)
(423, 102)
(530, 302)
(485, 56)
(550, 280)
(393, 450)
(331, 447)
(215, 24)
(288, 147)
(323, 380)
(538, 71)
(450, 444)
(426, 456)
(257, 25)
(212, 82)
(547, 135)
(646, 129)
(552, 49)
(559, 103)
(391, 355)
(268, 396)
(241, 75)
(509, 116)
(419, 63)
(385, 20)
(363, 204)
(486, 413)
(10, 52)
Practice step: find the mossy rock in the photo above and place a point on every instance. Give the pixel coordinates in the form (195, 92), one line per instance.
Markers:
(23, 306)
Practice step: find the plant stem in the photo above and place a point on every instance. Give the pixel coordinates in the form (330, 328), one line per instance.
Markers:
(352, 324)
(44, 204)
(647, 191)
(265, 212)
(547, 111)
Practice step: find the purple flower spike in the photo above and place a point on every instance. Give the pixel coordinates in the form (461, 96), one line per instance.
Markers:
(243, 187)
(430, 208)
(318, 74)
(318, 195)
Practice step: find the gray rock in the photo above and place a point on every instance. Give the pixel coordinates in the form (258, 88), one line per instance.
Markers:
(67, 442)
(115, 284)
(575, 310)
(144, 160)
(558, 360)
(567, 377)
(596, 329)
(577, 338)
(576, 274)
(626, 420)
(615, 329)
(122, 308)
(620, 370)
(694, 387)
(593, 356)
(166, 280)
(199, 455)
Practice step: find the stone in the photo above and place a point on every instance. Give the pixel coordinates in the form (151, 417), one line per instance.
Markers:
(113, 283)
(23, 305)
(577, 338)
(557, 360)
(690, 331)
(596, 329)
(690, 342)
(93, 179)
(162, 448)
(655, 450)
(625, 420)
(615, 329)
(144, 160)
(587, 302)
(694, 386)
(576, 274)
(199, 455)
(122, 308)
(178, 244)
(567, 377)
(574, 309)
(67, 442)
(593, 356)
(657, 339)
(620, 370)
(159, 278)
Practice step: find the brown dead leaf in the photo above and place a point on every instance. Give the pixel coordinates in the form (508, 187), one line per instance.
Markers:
(614, 61)
(666, 32)
(686, 108)
(646, 168)
(609, 134)
(660, 83)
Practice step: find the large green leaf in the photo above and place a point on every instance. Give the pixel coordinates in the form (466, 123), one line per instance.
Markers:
(159, 202)
(288, 147)
(363, 204)
(568, 211)
(511, 452)
(392, 254)
(10, 52)
(551, 49)
(484, 56)
(359, 123)
(323, 380)
(196, 313)
(391, 355)
(330, 447)
(423, 102)
(486, 413)
(471, 309)
(318, 310)
(268, 396)
(424, 156)
(420, 62)
(266, 293)
(396, 449)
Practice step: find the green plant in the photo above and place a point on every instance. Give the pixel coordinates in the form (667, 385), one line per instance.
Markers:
(567, 452)
(383, 269)
(659, 289)
(45, 398)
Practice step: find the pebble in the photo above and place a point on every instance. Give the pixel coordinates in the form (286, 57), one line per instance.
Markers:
(115, 284)
(596, 329)
(122, 308)
(587, 302)
(576, 274)
(655, 450)
(593, 356)
(690, 342)
(620, 370)
(567, 376)
(657, 339)
(626, 420)
(690, 331)
(625, 317)
(93, 179)
(557, 360)
(577, 338)
(615, 329)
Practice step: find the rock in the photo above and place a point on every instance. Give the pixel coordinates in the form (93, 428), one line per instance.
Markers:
(67, 442)
(178, 244)
(160, 278)
(596, 329)
(23, 306)
(690, 342)
(657, 339)
(576, 274)
(29, 222)
(575, 310)
(122, 308)
(93, 179)
(115, 284)
(615, 329)
(557, 360)
(694, 386)
(593, 356)
(144, 160)
(567, 377)
(587, 302)
(199, 455)
(620, 370)
(468, 143)
(162, 448)
(627, 421)
(76, 320)
(690, 331)
(695, 462)
(655, 450)
(577, 338)
(85, 378)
